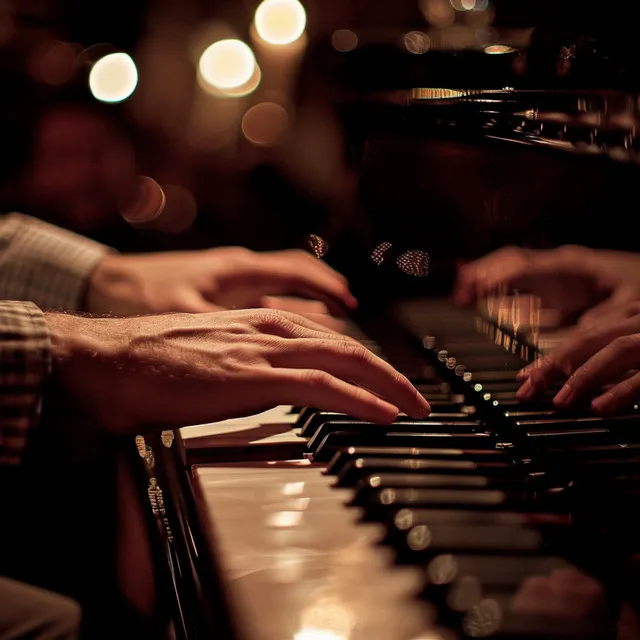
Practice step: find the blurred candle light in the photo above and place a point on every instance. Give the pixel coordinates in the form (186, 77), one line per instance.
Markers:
(264, 124)
(113, 78)
(280, 22)
(227, 64)
(344, 40)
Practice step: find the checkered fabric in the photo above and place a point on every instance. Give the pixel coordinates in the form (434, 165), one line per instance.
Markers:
(44, 264)
(25, 362)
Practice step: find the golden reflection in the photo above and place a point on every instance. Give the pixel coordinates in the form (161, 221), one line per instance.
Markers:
(414, 263)
(326, 619)
(284, 519)
(483, 619)
(293, 488)
(496, 49)
(379, 253)
(416, 42)
(318, 246)
(443, 569)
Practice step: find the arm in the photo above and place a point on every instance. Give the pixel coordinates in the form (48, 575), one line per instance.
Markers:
(45, 264)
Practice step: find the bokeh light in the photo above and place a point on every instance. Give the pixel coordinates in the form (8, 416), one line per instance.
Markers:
(344, 40)
(265, 123)
(416, 42)
(227, 64)
(280, 22)
(496, 49)
(113, 78)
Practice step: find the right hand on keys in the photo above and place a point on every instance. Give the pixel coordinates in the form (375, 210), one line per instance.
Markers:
(179, 369)
(592, 357)
(570, 279)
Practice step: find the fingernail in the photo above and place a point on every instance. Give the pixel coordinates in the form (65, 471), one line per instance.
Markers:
(564, 396)
(602, 403)
(352, 302)
(522, 375)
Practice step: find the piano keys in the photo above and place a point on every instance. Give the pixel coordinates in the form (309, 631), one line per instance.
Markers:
(302, 524)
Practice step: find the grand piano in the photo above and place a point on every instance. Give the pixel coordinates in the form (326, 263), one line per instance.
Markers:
(492, 517)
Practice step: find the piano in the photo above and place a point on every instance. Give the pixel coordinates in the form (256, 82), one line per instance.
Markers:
(491, 518)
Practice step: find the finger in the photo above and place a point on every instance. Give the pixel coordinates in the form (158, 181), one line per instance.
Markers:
(611, 309)
(188, 300)
(619, 398)
(354, 363)
(329, 322)
(313, 387)
(533, 595)
(610, 363)
(294, 305)
(299, 273)
(292, 325)
(565, 359)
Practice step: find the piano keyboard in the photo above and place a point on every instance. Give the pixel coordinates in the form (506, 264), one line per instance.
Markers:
(327, 528)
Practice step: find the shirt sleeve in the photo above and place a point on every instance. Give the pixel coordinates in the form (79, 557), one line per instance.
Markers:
(45, 264)
(25, 364)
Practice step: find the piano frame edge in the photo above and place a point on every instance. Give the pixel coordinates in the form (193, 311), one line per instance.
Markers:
(189, 575)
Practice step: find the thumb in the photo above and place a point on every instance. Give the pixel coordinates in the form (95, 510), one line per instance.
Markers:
(190, 301)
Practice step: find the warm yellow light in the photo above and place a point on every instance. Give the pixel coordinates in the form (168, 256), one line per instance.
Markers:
(113, 78)
(280, 21)
(227, 64)
(497, 49)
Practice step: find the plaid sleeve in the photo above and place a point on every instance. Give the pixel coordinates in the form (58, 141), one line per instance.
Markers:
(25, 362)
(44, 264)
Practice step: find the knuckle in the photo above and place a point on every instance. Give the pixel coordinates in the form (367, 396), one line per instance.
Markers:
(317, 378)
(353, 350)
(622, 344)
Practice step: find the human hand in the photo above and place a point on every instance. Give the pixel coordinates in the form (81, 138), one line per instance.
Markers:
(179, 369)
(210, 280)
(565, 593)
(569, 279)
(592, 357)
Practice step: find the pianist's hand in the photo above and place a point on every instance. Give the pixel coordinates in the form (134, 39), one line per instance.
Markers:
(227, 278)
(179, 369)
(592, 357)
(570, 279)
(565, 593)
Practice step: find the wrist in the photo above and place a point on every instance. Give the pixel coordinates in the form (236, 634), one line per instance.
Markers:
(86, 354)
(112, 288)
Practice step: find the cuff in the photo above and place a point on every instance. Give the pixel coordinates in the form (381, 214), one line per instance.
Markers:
(25, 364)
(45, 264)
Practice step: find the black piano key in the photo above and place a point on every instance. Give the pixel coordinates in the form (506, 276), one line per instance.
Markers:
(409, 426)
(313, 422)
(423, 542)
(358, 468)
(344, 456)
(490, 570)
(324, 451)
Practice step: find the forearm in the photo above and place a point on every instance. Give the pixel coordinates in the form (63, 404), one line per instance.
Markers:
(44, 264)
